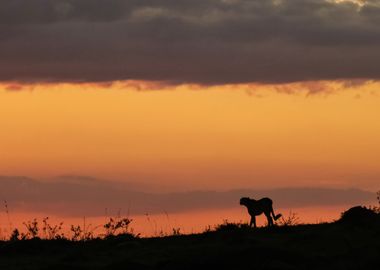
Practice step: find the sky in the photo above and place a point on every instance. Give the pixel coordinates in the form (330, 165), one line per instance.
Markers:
(175, 96)
(221, 137)
(179, 41)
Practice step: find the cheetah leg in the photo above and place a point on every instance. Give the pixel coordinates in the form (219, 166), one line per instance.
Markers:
(253, 221)
(270, 220)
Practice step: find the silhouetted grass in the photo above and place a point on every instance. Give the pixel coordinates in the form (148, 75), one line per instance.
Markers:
(337, 245)
(227, 226)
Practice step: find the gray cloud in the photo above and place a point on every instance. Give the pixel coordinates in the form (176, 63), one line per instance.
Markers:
(83, 196)
(199, 41)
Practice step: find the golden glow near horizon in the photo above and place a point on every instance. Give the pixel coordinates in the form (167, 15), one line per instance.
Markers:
(193, 136)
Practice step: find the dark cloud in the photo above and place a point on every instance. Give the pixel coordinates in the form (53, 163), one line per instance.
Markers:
(83, 196)
(198, 41)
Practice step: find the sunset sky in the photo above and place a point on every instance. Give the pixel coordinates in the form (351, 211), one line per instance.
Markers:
(176, 95)
(216, 137)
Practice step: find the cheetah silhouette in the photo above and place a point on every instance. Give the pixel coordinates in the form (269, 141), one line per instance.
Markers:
(257, 207)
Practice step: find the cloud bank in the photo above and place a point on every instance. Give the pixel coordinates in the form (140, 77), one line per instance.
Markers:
(198, 41)
(83, 196)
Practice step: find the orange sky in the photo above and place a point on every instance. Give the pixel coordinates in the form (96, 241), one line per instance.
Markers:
(195, 137)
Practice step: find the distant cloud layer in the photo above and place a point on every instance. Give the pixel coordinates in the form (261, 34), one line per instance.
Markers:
(198, 41)
(83, 196)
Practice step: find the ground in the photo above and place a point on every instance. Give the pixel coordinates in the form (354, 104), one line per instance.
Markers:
(338, 245)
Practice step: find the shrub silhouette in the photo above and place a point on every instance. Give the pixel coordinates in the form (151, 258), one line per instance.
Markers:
(32, 229)
(84, 233)
(52, 231)
(176, 232)
(377, 208)
(359, 215)
(77, 233)
(291, 220)
(118, 226)
(15, 235)
(227, 226)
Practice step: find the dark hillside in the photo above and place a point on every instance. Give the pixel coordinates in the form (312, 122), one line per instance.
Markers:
(339, 245)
